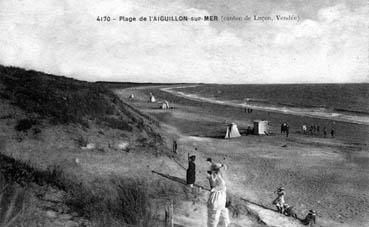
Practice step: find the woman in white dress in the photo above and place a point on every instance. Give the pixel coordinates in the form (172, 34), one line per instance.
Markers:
(217, 197)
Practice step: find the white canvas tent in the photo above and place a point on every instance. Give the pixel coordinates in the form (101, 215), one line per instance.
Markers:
(232, 131)
(261, 127)
(152, 98)
(165, 105)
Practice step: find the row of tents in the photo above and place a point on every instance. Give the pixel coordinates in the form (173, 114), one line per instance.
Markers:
(152, 99)
(261, 127)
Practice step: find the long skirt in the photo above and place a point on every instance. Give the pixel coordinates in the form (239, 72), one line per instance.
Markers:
(215, 215)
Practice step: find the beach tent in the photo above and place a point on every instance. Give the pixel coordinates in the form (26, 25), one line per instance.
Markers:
(165, 105)
(232, 131)
(152, 98)
(261, 127)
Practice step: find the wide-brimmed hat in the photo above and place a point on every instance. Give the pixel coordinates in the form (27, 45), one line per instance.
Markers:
(215, 166)
(311, 211)
(280, 189)
(192, 157)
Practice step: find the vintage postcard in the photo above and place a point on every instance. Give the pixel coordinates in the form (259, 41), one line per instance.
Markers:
(184, 113)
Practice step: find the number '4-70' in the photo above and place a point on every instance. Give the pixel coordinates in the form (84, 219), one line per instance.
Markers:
(104, 18)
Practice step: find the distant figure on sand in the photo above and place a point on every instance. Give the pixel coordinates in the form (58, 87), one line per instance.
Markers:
(287, 131)
(191, 171)
(310, 218)
(217, 198)
(279, 201)
(332, 132)
(175, 146)
(325, 132)
(304, 129)
(285, 128)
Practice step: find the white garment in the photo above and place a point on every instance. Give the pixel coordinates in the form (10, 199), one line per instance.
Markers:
(214, 216)
(217, 201)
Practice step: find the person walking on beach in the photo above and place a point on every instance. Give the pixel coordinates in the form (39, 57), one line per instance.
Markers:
(217, 198)
(332, 132)
(191, 171)
(325, 132)
(279, 201)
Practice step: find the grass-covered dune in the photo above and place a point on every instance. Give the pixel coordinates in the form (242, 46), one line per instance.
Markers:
(46, 125)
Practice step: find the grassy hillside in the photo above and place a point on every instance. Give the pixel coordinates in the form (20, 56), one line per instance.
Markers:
(46, 121)
(61, 99)
(64, 100)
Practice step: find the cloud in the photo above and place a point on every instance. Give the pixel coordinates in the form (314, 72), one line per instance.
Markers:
(63, 37)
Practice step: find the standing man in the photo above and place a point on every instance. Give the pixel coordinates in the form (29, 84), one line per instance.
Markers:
(217, 198)
(191, 171)
(175, 146)
(287, 130)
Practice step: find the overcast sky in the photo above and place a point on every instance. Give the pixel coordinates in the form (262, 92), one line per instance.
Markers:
(329, 44)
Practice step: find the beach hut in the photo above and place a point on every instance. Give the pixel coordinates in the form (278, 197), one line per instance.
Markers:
(232, 131)
(261, 127)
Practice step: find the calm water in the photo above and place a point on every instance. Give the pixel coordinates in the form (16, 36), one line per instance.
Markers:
(349, 102)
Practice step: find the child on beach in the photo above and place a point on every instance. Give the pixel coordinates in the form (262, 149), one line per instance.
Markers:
(279, 201)
(310, 218)
(289, 211)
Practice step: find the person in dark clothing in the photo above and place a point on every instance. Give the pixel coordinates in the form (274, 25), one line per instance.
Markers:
(325, 132)
(310, 218)
(282, 128)
(175, 146)
(287, 130)
(318, 129)
(191, 171)
(332, 132)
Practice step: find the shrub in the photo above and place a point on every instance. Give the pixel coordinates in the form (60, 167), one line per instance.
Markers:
(133, 201)
(82, 141)
(24, 124)
(115, 123)
(12, 199)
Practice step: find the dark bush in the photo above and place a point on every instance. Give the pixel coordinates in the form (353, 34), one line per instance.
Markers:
(24, 124)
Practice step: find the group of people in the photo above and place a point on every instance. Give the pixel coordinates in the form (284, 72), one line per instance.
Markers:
(248, 110)
(315, 130)
(284, 208)
(217, 198)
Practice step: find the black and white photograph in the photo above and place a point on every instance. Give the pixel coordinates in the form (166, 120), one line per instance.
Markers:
(184, 113)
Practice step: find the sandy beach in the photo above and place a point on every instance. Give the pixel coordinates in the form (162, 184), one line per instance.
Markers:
(328, 175)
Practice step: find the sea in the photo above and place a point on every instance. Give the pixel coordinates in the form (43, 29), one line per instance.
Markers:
(340, 102)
